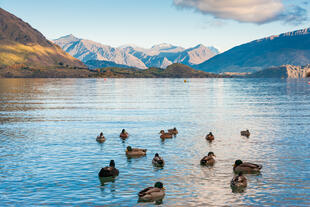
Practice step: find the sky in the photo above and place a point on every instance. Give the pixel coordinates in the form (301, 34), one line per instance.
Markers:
(219, 23)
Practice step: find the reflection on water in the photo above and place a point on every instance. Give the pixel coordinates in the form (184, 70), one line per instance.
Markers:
(49, 155)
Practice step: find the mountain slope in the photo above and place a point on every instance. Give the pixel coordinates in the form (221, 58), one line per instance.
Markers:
(92, 64)
(287, 48)
(20, 44)
(160, 55)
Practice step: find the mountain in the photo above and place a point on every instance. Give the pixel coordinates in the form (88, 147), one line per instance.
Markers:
(85, 50)
(23, 46)
(287, 48)
(160, 55)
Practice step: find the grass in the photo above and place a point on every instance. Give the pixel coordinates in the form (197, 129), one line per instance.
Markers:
(32, 55)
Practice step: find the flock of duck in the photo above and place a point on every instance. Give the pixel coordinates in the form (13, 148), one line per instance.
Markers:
(157, 192)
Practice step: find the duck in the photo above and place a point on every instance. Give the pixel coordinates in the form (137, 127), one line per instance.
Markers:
(239, 181)
(124, 134)
(109, 171)
(246, 167)
(208, 160)
(152, 193)
(210, 137)
(245, 133)
(165, 135)
(173, 131)
(100, 138)
(135, 152)
(158, 161)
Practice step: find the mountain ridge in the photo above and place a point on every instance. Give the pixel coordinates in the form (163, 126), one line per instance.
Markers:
(286, 48)
(160, 55)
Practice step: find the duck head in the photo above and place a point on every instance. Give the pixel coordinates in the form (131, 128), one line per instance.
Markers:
(129, 148)
(159, 185)
(112, 163)
(211, 154)
(237, 163)
(123, 131)
(101, 134)
(156, 155)
(161, 132)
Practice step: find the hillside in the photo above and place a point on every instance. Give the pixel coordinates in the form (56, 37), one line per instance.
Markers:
(284, 71)
(173, 71)
(160, 55)
(23, 46)
(287, 48)
(92, 64)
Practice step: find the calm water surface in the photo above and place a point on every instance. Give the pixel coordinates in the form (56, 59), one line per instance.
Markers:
(49, 156)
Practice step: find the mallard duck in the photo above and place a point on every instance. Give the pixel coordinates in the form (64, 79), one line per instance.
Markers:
(238, 181)
(152, 193)
(210, 137)
(158, 161)
(246, 167)
(109, 171)
(165, 135)
(100, 138)
(245, 133)
(208, 160)
(173, 131)
(124, 134)
(135, 152)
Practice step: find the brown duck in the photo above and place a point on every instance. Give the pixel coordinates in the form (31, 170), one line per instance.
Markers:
(165, 135)
(173, 131)
(124, 134)
(245, 133)
(208, 160)
(100, 138)
(210, 137)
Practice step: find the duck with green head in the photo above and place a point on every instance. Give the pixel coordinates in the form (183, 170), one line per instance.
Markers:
(152, 193)
(246, 167)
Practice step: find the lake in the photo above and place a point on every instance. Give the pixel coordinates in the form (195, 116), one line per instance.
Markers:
(49, 155)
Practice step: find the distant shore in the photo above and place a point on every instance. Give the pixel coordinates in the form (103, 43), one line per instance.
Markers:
(172, 71)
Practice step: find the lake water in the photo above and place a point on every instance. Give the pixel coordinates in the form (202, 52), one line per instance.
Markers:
(49, 155)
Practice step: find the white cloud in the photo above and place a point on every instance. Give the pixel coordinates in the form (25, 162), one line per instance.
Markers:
(254, 11)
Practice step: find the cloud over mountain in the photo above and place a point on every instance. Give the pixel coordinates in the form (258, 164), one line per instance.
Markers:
(251, 11)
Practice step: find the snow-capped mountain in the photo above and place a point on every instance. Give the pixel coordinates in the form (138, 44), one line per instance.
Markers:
(160, 55)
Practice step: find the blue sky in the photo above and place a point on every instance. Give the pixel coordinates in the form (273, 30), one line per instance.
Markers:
(222, 23)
